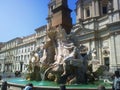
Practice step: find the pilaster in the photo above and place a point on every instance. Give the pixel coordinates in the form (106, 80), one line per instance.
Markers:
(84, 13)
(79, 11)
(97, 8)
(116, 4)
(93, 8)
(113, 59)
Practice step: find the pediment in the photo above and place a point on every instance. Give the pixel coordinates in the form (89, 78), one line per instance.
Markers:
(79, 30)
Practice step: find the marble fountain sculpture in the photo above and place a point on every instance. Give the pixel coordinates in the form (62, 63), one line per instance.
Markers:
(59, 59)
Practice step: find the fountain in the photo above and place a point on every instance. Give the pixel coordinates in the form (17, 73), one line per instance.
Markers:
(60, 61)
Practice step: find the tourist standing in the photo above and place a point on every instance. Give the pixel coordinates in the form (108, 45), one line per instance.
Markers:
(116, 81)
(4, 85)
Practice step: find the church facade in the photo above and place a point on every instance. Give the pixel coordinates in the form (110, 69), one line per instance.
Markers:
(98, 24)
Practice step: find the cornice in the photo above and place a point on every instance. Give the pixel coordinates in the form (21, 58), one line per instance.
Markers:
(113, 24)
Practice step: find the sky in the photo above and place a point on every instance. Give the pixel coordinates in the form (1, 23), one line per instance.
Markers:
(19, 18)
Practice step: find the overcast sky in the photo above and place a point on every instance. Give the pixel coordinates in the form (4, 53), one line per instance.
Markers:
(20, 18)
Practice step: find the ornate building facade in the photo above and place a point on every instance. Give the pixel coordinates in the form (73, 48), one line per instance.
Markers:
(98, 24)
(15, 54)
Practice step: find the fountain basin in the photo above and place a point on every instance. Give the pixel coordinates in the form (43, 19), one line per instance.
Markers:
(48, 85)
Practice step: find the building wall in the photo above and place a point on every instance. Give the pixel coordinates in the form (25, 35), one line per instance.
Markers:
(103, 30)
(16, 52)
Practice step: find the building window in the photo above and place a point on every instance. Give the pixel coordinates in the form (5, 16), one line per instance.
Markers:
(87, 12)
(31, 48)
(104, 10)
(28, 49)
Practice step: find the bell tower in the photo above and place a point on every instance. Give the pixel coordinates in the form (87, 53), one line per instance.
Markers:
(59, 15)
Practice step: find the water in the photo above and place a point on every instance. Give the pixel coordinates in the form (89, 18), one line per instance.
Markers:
(21, 81)
(35, 83)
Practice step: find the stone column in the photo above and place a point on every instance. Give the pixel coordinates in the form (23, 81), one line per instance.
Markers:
(84, 11)
(116, 4)
(93, 8)
(97, 8)
(113, 59)
(117, 45)
(79, 12)
(100, 51)
(97, 45)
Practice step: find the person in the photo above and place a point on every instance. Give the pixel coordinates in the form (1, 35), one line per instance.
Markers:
(29, 86)
(116, 81)
(4, 85)
(101, 87)
(68, 58)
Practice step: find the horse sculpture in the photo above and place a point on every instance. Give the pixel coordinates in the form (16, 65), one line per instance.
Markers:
(67, 61)
(61, 59)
